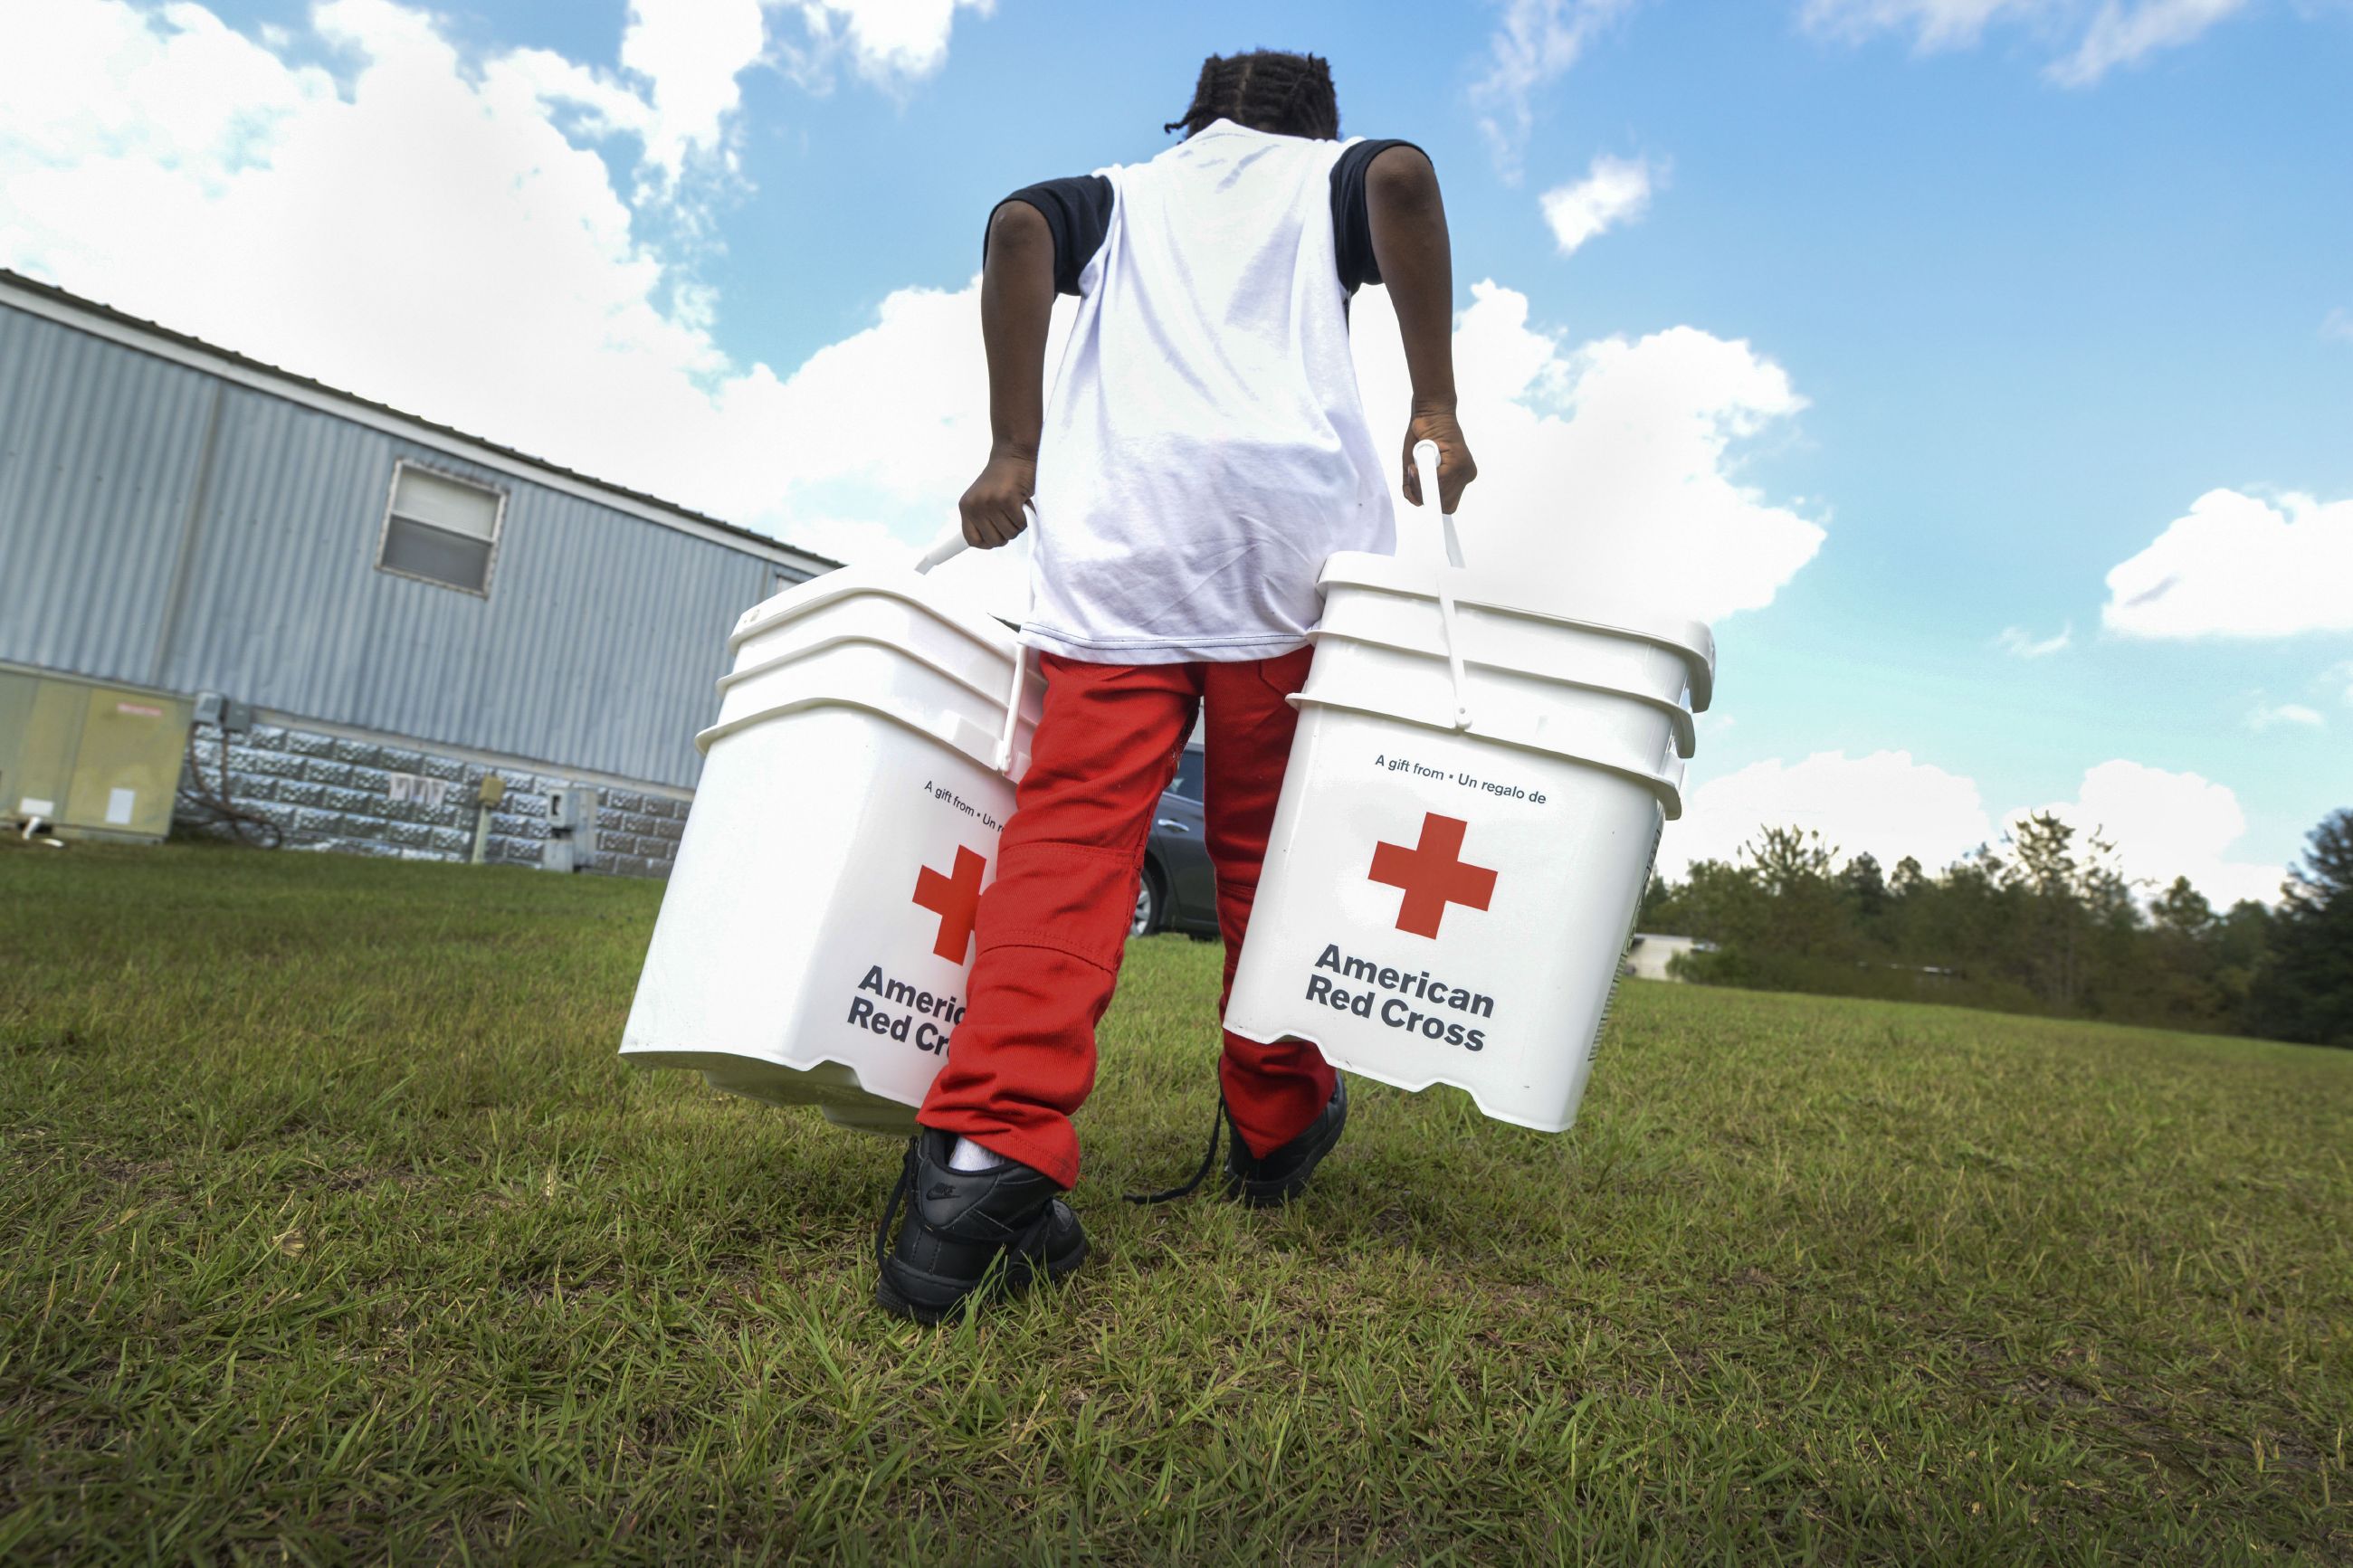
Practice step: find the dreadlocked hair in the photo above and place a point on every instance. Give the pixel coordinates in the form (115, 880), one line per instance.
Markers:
(1265, 90)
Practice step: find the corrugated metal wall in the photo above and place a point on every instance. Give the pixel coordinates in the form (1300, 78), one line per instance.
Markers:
(99, 452)
(596, 647)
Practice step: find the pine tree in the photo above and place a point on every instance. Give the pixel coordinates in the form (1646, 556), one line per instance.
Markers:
(2044, 871)
(2305, 991)
(1792, 867)
(1865, 888)
(2184, 911)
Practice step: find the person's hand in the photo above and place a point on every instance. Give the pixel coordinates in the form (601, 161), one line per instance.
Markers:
(992, 507)
(1455, 469)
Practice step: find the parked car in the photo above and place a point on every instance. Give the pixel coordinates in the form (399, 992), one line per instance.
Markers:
(1180, 888)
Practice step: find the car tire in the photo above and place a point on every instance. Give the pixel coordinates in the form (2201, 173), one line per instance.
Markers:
(1150, 904)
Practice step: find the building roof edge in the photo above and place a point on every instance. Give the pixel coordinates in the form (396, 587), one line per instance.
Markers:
(51, 302)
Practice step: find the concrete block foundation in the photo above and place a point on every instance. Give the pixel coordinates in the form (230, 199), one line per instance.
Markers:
(333, 792)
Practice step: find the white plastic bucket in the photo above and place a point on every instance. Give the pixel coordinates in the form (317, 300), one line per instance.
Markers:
(816, 935)
(1473, 802)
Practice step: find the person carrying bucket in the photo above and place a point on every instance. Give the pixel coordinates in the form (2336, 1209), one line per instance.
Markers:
(1205, 450)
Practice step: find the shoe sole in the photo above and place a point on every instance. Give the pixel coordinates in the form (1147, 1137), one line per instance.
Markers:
(1001, 1287)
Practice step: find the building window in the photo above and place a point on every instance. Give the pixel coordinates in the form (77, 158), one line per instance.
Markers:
(440, 529)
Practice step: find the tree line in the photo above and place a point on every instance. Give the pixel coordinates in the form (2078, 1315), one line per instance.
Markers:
(2045, 923)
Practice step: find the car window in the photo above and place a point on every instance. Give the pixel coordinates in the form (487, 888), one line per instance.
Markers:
(1188, 781)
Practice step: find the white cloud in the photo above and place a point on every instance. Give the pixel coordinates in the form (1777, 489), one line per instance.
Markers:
(1614, 191)
(2121, 35)
(891, 43)
(1612, 464)
(83, 82)
(1934, 23)
(691, 51)
(2240, 566)
(1638, 434)
(2268, 716)
(522, 305)
(1886, 805)
(2093, 39)
(2023, 644)
(1536, 41)
(886, 427)
(427, 234)
(2338, 324)
(2166, 825)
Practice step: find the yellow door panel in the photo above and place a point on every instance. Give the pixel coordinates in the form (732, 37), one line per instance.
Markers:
(40, 724)
(128, 767)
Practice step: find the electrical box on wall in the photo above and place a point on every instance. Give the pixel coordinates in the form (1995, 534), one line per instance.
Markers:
(222, 713)
(88, 759)
(571, 829)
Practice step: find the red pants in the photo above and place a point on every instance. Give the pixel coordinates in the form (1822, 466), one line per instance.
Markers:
(1052, 926)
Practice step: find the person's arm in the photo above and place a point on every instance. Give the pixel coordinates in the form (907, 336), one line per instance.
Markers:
(1016, 301)
(1409, 245)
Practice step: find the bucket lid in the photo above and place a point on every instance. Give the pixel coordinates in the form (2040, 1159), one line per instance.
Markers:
(948, 730)
(1679, 718)
(813, 675)
(1490, 588)
(943, 605)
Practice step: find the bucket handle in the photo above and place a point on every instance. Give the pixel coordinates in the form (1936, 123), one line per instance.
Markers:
(1013, 708)
(1447, 548)
(950, 543)
(946, 548)
(1448, 554)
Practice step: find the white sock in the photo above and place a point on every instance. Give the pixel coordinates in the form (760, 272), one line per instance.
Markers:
(968, 1155)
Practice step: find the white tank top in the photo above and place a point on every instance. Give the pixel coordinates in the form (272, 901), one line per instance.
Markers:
(1205, 447)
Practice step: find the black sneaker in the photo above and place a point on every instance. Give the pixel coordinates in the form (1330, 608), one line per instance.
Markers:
(992, 1232)
(1263, 1181)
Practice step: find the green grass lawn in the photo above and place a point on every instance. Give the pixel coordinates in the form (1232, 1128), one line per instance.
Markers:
(330, 1228)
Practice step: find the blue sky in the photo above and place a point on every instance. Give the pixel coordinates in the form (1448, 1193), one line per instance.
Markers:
(1988, 293)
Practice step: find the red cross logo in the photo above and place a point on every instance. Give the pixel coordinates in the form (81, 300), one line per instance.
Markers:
(954, 900)
(1433, 874)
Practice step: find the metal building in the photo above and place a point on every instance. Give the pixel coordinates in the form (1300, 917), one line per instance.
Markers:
(373, 612)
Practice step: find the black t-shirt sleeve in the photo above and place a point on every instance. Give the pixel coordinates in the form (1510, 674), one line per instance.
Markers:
(1078, 212)
(1351, 224)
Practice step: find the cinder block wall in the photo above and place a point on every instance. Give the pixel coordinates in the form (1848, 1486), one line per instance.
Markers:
(334, 793)
(636, 832)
